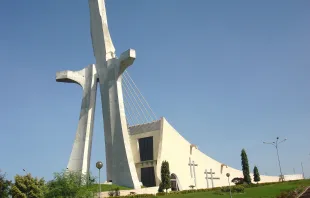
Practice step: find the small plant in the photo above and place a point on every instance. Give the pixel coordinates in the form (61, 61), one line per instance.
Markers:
(256, 174)
(116, 191)
(160, 188)
(111, 193)
(237, 180)
(225, 189)
(165, 175)
(238, 189)
(192, 186)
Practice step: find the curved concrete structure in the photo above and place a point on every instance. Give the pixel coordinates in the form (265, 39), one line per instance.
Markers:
(81, 151)
(134, 155)
(186, 161)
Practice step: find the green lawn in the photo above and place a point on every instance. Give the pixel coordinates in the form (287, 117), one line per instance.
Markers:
(269, 191)
(106, 187)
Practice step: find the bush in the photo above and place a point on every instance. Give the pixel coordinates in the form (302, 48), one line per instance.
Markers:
(225, 189)
(234, 189)
(237, 189)
(116, 191)
(237, 180)
(160, 188)
(111, 193)
(251, 185)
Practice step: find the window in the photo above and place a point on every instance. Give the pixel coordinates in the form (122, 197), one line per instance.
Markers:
(146, 148)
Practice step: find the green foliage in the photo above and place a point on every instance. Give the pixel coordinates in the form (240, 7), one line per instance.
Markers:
(28, 187)
(165, 175)
(292, 193)
(160, 188)
(266, 190)
(105, 187)
(245, 167)
(160, 194)
(256, 174)
(237, 180)
(70, 184)
(234, 189)
(4, 186)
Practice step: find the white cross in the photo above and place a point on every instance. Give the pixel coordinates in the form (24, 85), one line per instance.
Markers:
(192, 164)
(212, 178)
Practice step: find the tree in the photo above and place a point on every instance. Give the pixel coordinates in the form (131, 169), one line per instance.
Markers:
(245, 167)
(165, 175)
(160, 188)
(4, 186)
(256, 174)
(70, 184)
(28, 187)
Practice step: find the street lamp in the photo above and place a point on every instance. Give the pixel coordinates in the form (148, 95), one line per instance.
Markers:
(25, 171)
(228, 175)
(276, 144)
(302, 168)
(99, 165)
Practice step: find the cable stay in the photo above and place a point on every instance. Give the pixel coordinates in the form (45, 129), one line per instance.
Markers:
(137, 109)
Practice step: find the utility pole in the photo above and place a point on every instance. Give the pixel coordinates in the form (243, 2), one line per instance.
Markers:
(276, 144)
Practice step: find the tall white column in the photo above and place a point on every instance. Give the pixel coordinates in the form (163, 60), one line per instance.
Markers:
(120, 165)
(81, 151)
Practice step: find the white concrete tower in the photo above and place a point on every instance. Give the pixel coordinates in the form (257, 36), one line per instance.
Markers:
(81, 151)
(119, 160)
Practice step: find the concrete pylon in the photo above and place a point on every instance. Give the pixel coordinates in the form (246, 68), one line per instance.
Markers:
(119, 160)
(108, 70)
(81, 151)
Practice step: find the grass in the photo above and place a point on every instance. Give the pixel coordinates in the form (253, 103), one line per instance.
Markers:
(106, 187)
(268, 191)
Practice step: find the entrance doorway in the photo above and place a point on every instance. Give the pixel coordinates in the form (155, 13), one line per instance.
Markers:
(148, 177)
(174, 182)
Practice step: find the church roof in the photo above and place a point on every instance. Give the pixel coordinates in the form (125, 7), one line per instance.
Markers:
(147, 127)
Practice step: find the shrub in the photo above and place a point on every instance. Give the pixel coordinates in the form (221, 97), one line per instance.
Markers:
(237, 189)
(160, 188)
(225, 189)
(111, 193)
(256, 174)
(165, 175)
(237, 180)
(116, 191)
(234, 189)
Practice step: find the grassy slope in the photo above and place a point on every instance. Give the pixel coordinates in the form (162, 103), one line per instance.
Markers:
(106, 187)
(269, 191)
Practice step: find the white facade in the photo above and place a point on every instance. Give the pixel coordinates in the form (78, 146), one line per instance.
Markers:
(123, 155)
(169, 145)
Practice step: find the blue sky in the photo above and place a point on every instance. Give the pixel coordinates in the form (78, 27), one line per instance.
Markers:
(226, 74)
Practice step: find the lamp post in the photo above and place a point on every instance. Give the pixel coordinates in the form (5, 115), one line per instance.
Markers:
(228, 175)
(25, 171)
(302, 168)
(276, 144)
(99, 165)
